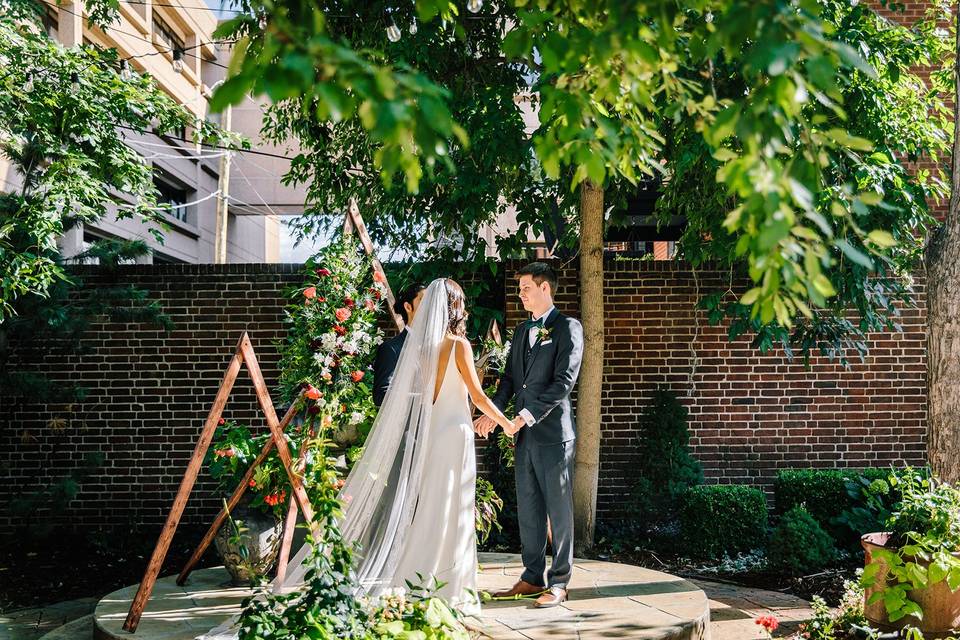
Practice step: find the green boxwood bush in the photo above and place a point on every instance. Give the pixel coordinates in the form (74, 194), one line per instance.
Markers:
(722, 519)
(824, 494)
(799, 545)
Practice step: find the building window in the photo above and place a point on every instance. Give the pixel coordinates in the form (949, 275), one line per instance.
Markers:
(173, 198)
(162, 258)
(168, 37)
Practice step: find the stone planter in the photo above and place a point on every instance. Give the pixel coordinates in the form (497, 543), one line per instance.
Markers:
(941, 607)
(260, 536)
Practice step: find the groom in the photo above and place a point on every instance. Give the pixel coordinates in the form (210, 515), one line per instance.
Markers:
(541, 372)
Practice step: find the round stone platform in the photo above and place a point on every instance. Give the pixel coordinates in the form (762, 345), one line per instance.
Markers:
(607, 600)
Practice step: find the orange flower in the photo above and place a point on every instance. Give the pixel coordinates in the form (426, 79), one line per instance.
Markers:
(312, 392)
(379, 277)
(253, 483)
(342, 314)
(341, 331)
(357, 376)
(770, 623)
(310, 292)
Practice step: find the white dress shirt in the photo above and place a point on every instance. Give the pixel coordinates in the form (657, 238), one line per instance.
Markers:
(533, 337)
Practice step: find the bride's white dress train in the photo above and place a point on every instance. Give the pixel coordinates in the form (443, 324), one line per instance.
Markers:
(409, 499)
(442, 541)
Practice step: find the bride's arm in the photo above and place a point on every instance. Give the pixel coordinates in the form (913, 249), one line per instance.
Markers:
(463, 352)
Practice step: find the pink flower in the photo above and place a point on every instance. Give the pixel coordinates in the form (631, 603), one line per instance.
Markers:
(357, 376)
(221, 422)
(369, 303)
(312, 392)
(769, 623)
(310, 292)
(343, 314)
(379, 277)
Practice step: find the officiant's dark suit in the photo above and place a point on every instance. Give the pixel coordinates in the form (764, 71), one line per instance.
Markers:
(388, 354)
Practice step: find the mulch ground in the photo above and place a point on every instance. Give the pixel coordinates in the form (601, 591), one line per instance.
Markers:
(66, 566)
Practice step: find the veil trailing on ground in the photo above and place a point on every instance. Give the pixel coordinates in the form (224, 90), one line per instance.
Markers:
(381, 492)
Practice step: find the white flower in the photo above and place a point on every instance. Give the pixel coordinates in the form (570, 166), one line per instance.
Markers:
(356, 417)
(329, 360)
(319, 359)
(324, 372)
(329, 341)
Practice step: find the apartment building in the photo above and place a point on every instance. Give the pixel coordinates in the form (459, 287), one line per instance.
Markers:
(174, 44)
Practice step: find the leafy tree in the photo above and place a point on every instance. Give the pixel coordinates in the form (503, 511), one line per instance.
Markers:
(782, 129)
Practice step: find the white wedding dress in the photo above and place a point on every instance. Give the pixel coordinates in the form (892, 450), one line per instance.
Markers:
(408, 502)
(442, 541)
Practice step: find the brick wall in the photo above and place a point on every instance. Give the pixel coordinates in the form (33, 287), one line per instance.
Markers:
(750, 414)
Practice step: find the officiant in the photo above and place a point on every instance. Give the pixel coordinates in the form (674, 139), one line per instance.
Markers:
(388, 353)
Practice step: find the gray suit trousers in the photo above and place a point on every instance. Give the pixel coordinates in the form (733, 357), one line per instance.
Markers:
(544, 475)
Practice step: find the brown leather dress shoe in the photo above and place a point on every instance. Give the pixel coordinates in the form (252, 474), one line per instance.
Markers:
(553, 597)
(522, 588)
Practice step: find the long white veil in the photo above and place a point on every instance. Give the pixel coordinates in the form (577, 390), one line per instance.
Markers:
(381, 492)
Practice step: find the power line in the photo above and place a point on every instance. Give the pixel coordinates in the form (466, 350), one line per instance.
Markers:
(215, 146)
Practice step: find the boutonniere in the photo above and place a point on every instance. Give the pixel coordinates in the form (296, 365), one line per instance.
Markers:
(543, 334)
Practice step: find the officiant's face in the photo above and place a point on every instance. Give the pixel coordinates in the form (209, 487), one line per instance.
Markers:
(536, 298)
(412, 308)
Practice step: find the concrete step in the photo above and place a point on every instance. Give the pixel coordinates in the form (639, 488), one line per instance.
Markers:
(79, 629)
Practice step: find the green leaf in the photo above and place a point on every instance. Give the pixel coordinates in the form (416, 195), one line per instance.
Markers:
(881, 238)
(231, 92)
(853, 253)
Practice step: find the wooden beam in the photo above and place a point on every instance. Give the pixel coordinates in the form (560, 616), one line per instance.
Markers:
(183, 493)
(266, 404)
(353, 221)
(234, 499)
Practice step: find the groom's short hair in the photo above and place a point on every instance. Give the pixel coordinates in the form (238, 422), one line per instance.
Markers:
(541, 272)
(407, 295)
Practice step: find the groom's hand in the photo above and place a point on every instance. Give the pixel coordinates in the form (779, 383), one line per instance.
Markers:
(518, 423)
(483, 426)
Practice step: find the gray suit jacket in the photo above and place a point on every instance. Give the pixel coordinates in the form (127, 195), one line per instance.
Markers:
(544, 385)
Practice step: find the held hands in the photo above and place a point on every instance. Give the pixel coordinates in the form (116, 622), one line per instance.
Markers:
(484, 426)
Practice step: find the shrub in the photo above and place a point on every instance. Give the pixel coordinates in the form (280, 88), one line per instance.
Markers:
(799, 545)
(722, 519)
(666, 467)
(826, 494)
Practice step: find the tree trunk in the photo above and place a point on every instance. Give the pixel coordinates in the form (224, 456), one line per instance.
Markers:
(587, 468)
(943, 323)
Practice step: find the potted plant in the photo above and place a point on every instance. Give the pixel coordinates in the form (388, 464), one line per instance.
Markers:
(248, 543)
(912, 569)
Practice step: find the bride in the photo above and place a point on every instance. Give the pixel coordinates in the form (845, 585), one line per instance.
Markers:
(409, 500)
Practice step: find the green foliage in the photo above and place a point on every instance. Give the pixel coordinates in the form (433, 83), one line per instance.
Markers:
(666, 467)
(722, 519)
(849, 207)
(799, 545)
(417, 615)
(294, 52)
(840, 623)
(921, 551)
(64, 118)
(488, 504)
(232, 452)
(826, 495)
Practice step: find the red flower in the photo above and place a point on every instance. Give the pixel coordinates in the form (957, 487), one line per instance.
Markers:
(221, 422)
(343, 408)
(349, 302)
(253, 483)
(223, 453)
(310, 292)
(313, 393)
(379, 277)
(342, 314)
(374, 292)
(769, 623)
(321, 299)
(341, 331)
(313, 409)
(357, 375)
(323, 273)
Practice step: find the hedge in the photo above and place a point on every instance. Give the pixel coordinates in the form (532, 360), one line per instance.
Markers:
(722, 519)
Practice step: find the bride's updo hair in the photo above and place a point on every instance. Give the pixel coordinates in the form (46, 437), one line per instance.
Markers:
(456, 309)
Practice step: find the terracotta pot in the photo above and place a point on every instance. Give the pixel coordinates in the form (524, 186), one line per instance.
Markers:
(941, 607)
(260, 538)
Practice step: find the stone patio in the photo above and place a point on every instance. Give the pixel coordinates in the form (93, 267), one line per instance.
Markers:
(594, 610)
(607, 601)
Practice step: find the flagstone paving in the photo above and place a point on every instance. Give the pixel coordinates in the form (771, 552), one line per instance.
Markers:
(607, 601)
